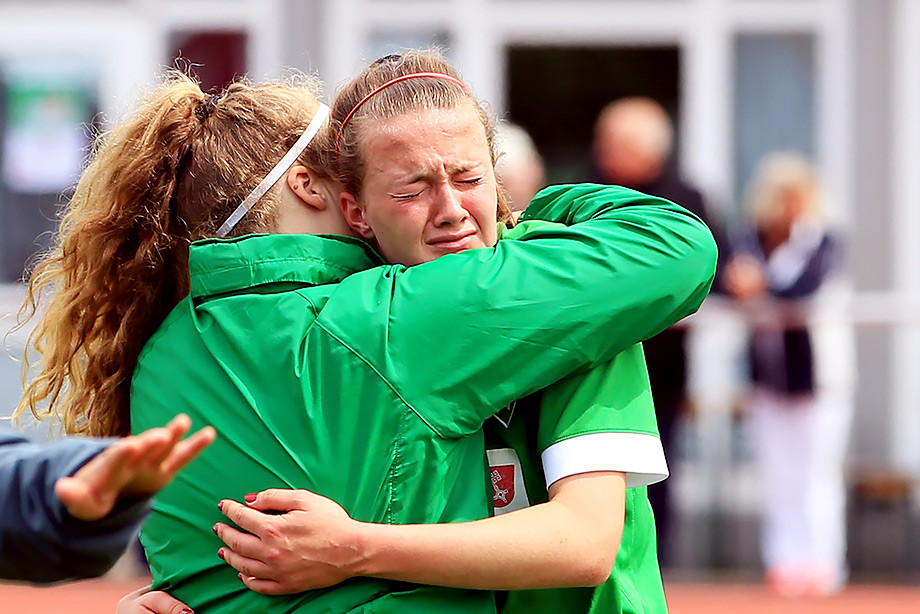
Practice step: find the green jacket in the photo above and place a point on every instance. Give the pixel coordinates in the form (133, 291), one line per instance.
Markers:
(602, 420)
(371, 386)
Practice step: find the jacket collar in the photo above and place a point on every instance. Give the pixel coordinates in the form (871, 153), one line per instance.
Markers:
(218, 266)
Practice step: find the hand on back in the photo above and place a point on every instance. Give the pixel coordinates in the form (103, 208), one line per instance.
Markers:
(292, 541)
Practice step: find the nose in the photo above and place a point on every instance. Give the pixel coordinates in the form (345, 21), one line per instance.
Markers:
(447, 208)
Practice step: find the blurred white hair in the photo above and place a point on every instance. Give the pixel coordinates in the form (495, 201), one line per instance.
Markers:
(776, 174)
(514, 145)
(519, 166)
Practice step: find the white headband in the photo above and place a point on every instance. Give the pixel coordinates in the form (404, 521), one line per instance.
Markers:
(275, 174)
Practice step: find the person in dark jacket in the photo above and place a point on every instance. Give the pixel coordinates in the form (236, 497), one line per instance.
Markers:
(69, 509)
(633, 143)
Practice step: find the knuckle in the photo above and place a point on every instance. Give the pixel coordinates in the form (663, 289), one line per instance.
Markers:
(271, 532)
(274, 556)
(234, 513)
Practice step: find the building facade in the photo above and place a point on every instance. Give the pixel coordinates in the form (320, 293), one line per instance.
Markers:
(836, 79)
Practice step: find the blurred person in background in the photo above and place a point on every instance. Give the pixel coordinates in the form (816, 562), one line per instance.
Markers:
(633, 143)
(519, 167)
(68, 509)
(799, 407)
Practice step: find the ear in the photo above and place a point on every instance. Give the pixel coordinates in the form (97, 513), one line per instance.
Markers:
(354, 215)
(305, 185)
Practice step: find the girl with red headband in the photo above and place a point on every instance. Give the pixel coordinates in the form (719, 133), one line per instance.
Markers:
(413, 151)
(411, 177)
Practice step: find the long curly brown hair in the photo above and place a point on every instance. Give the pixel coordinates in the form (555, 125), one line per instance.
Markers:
(166, 176)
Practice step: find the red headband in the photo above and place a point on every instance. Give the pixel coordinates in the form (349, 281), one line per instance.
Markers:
(415, 75)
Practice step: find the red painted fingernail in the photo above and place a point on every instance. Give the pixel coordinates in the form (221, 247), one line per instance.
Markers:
(220, 553)
(250, 498)
(220, 505)
(185, 611)
(240, 576)
(214, 528)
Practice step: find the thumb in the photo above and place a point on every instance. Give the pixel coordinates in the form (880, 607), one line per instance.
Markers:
(279, 500)
(75, 497)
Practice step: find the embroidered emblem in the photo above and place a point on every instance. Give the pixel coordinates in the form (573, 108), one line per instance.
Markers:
(507, 478)
(502, 485)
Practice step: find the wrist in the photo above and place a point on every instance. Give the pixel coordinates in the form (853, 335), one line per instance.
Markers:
(363, 548)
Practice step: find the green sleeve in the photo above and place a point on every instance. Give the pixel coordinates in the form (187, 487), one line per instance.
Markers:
(468, 333)
(612, 397)
(602, 420)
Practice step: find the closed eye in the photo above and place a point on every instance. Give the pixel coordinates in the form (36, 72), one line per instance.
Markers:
(406, 196)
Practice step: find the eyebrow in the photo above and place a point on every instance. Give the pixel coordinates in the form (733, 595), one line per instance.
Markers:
(462, 167)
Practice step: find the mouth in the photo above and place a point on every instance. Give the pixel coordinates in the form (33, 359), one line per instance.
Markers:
(454, 242)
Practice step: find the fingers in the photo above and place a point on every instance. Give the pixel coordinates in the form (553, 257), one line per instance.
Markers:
(187, 450)
(179, 426)
(243, 564)
(159, 602)
(139, 464)
(112, 464)
(253, 521)
(262, 585)
(281, 500)
(145, 601)
(92, 491)
(76, 498)
(157, 444)
(129, 603)
(175, 430)
(241, 543)
(164, 454)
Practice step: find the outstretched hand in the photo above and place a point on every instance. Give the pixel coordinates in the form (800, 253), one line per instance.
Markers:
(137, 465)
(311, 543)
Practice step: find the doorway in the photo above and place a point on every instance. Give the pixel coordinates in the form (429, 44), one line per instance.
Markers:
(556, 93)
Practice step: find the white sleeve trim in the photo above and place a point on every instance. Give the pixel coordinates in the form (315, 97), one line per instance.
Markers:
(639, 455)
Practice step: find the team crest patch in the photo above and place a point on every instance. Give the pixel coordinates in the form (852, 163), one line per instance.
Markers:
(507, 478)
(502, 485)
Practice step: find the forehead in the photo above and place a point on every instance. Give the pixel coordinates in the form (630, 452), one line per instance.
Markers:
(454, 134)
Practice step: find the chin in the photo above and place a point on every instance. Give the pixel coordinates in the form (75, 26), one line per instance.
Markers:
(411, 259)
(427, 258)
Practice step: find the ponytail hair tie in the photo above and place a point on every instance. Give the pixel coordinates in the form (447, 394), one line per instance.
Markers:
(206, 106)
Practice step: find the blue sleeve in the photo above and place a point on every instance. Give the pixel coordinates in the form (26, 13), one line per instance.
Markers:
(39, 540)
(818, 267)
